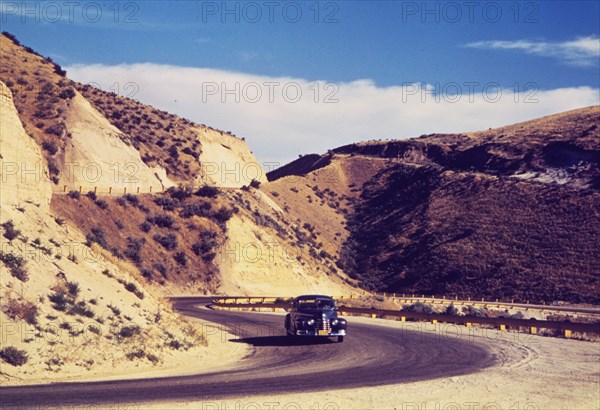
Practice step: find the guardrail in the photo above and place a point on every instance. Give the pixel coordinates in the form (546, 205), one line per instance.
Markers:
(502, 323)
(404, 298)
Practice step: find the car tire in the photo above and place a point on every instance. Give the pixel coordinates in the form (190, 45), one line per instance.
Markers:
(340, 339)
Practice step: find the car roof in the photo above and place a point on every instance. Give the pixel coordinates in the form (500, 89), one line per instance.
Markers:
(313, 297)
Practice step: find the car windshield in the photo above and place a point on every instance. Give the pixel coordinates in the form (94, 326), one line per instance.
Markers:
(316, 304)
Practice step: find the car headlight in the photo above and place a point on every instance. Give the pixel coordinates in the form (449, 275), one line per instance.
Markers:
(310, 322)
(334, 322)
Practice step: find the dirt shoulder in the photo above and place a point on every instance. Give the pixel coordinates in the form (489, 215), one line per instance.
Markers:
(217, 355)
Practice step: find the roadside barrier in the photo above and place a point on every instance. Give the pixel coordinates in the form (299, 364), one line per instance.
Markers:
(444, 300)
(567, 328)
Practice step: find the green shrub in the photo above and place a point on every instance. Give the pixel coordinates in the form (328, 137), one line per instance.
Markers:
(164, 221)
(21, 309)
(136, 354)
(97, 235)
(10, 232)
(16, 265)
(132, 287)
(153, 358)
(50, 146)
(132, 199)
(175, 344)
(129, 331)
(208, 191)
(134, 249)
(116, 311)
(67, 93)
(168, 204)
(180, 258)
(13, 356)
(73, 288)
(180, 192)
(223, 215)
(59, 300)
(168, 242)
(80, 308)
(197, 209)
(101, 203)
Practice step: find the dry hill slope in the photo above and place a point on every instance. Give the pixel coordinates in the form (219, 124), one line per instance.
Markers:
(84, 266)
(96, 142)
(66, 309)
(510, 213)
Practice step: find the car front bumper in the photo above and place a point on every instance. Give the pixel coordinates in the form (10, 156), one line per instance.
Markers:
(315, 333)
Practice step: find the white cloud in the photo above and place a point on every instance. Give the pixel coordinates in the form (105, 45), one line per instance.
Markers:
(278, 129)
(584, 51)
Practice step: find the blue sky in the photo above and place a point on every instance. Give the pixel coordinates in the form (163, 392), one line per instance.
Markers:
(550, 45)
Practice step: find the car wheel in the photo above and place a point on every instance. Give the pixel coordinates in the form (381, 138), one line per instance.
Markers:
(340, 339)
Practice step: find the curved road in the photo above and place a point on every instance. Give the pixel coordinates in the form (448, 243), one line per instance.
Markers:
(370, 356)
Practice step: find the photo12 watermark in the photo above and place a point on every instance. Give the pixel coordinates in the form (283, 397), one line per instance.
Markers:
(271, 92)
(70, 12)
(472, 12)
(325, 12)
(454, 92)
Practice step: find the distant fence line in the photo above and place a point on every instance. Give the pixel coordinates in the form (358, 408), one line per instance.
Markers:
(111, 190)
(126, 190)
(502, 323)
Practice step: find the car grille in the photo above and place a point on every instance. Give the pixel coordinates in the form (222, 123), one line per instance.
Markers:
(323, 324)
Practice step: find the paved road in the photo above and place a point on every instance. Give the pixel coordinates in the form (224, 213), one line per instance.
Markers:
(370, 356)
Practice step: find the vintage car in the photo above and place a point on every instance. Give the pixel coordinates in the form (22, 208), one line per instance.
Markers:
(315, 315)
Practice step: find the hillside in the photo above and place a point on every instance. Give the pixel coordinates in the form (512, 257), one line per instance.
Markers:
(506, 213)
(107, 206)
(59, 298)
(135, 180)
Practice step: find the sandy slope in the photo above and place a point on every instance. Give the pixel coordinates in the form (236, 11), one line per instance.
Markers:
(97, 157)
(62, 346)
(24, 173)
(255, 262)
(227, 161)
(533, 372)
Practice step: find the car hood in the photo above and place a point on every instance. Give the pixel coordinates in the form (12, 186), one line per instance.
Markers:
(318, 314)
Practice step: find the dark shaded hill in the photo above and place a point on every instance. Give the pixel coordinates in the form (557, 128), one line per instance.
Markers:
(512, 212)
(426, 230)
(301, 166)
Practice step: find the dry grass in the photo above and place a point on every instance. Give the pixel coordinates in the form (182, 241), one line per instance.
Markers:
(17, 308)
(124, 240)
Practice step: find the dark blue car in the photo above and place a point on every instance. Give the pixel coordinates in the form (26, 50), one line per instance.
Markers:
(315, 316)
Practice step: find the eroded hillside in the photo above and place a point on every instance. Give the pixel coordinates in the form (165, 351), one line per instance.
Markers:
(66, 309)
(506, 213)
(106, 206)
